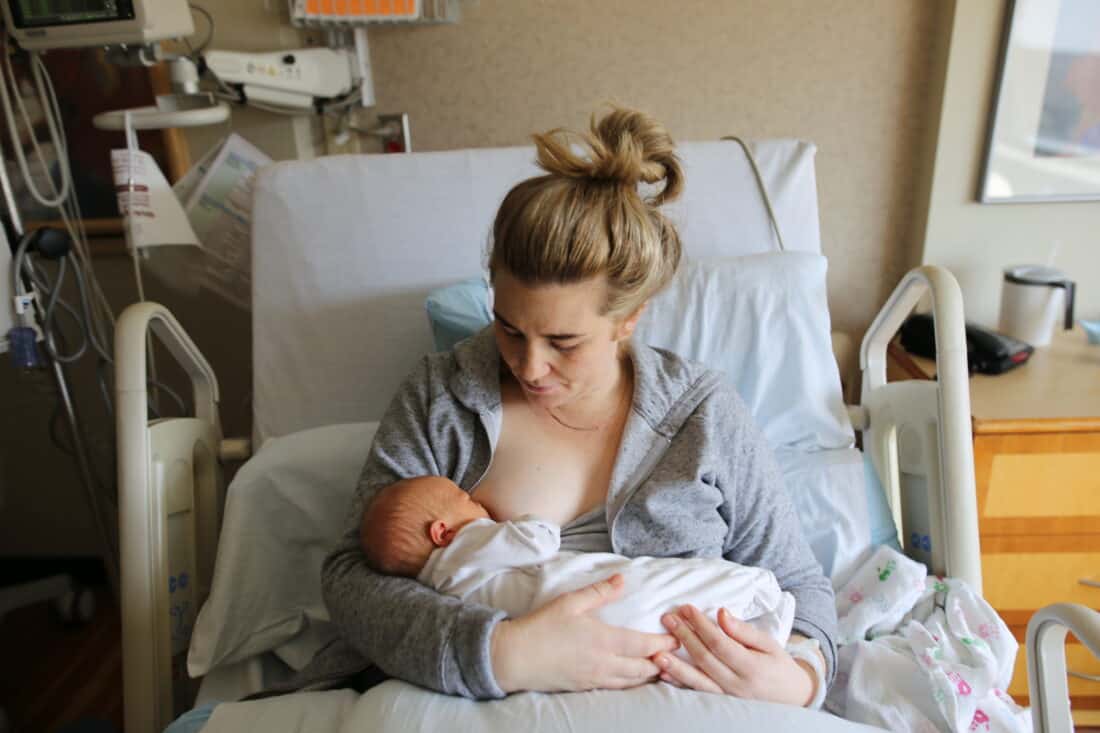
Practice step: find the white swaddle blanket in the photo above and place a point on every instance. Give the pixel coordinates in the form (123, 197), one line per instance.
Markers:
(516, 566)
(921, 653)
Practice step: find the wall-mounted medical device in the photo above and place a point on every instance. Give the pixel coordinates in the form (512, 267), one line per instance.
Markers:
(286, 78)
(44, 24)
(295, 80)
(329, 13)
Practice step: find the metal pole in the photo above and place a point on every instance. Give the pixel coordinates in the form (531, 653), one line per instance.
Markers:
(108, 547)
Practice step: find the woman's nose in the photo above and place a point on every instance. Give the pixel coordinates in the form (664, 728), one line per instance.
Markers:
(532, 365)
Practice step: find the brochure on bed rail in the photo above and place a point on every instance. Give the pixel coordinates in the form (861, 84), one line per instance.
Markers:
(217, 197)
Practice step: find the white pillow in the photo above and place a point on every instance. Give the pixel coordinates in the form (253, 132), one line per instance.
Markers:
(396, 706)
(284, 510)
(763, 320)
(831, 497)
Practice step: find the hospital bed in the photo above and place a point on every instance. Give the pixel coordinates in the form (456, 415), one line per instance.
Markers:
(344, 252)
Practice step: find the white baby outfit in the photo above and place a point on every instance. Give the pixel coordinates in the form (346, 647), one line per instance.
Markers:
(516, 566)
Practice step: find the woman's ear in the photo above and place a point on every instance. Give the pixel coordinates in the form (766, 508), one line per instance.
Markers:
(627, 326)
(440, 534)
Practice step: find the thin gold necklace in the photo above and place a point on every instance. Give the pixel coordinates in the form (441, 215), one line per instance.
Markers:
(618, 405)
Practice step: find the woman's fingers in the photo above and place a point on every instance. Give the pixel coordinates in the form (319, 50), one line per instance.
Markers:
(666, 677)
(679, 672)
(640, 644)
(722, 644)
(745, 633)
(714, 666)
(629, 672)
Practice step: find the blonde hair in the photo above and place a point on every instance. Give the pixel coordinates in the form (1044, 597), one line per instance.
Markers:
(586, 218)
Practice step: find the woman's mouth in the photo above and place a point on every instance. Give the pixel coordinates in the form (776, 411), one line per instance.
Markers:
(537, 389)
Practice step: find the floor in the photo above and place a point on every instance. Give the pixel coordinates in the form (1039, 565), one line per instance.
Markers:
(65, 679)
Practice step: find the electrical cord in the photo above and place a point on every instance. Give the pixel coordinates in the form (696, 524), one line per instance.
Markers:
(51, 327)
(210, 23)
(81, 315)
(9, 88)
(62, 199)
(70, 209)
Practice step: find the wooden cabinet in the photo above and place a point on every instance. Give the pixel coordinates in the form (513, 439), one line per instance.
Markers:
(1037, 470)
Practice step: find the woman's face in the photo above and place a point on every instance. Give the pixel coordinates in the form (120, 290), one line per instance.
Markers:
(554, 339)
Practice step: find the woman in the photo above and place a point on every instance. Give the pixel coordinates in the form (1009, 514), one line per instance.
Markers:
(552, 411)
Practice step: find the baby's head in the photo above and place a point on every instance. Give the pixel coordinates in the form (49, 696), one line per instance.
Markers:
(407, 520)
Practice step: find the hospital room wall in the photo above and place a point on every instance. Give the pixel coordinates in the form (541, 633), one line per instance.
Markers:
(977, 241)
(860, 79)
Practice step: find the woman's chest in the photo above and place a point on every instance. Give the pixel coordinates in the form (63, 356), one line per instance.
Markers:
(554, 474)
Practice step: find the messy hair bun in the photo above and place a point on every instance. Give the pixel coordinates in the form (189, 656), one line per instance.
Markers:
(625, 146)
(586, 218)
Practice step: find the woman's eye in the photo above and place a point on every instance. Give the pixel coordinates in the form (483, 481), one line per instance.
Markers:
(565, 348)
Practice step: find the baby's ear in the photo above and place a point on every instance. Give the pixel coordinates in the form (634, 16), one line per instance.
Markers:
(440, 535)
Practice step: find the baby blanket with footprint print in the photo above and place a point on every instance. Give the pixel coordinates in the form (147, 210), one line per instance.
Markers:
(921, 653)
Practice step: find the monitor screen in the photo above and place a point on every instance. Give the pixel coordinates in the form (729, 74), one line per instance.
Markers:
(43, 13)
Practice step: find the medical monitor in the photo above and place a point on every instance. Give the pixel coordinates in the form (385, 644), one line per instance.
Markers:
(44, 24)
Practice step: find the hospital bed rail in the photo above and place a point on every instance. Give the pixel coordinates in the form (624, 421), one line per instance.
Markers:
(171, 495)
(170, 501)
(918, 432)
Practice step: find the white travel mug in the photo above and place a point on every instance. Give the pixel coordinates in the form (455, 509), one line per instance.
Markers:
(1033, 299)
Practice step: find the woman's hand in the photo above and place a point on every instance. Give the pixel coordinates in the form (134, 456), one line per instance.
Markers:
(564, 647)
(737, 659)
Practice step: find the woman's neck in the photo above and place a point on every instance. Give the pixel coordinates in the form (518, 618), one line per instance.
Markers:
(600, 407)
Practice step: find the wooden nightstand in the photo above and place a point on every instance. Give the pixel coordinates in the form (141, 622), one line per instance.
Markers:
(1037, 469)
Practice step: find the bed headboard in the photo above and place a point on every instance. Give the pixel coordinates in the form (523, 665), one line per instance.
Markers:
(346, 248)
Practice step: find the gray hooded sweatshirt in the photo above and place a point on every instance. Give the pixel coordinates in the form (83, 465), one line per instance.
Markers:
(693, 478)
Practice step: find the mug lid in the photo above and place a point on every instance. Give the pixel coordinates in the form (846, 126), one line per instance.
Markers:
(1034, 275)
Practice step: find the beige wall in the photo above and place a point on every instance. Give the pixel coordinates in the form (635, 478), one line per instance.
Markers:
(976, 241)
(857, 78)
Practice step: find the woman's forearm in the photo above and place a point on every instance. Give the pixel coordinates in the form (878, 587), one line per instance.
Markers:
(408, 630)
(504, 670)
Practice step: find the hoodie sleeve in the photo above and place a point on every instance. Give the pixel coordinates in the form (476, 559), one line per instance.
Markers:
(764, 530)
(406, 629)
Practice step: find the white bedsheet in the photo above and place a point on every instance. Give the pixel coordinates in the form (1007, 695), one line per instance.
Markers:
(398, 707)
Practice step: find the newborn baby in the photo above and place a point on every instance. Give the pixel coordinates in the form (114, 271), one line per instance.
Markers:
(430, 529)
